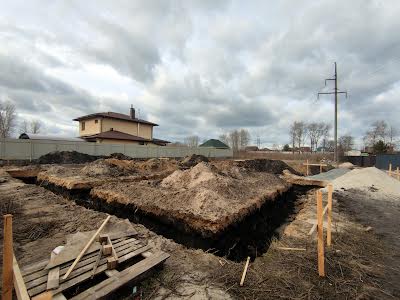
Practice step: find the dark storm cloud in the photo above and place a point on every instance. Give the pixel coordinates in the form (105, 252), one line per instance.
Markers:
(205, 67)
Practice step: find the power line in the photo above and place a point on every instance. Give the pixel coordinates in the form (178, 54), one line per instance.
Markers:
(335, 92)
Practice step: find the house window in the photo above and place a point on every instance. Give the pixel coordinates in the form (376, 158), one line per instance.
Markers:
(83, 126)
(96, 121)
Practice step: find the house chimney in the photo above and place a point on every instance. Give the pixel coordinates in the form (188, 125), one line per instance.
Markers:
(132, 112)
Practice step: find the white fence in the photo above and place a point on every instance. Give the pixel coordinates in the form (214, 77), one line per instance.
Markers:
(16, 149)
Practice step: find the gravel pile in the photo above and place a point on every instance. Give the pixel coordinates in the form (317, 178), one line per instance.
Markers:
(369, 179)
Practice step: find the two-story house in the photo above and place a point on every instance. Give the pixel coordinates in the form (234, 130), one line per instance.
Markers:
(117, 128)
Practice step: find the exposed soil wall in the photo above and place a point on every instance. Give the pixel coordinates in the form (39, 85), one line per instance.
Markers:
(250, 236)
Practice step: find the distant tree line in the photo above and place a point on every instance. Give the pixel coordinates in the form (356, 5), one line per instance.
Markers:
(300, 131)
(380, 138)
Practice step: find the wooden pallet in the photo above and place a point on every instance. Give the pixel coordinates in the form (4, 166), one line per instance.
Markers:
(38, 279)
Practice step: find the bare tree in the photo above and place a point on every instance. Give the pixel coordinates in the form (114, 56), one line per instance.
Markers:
(7, 119)
(191, 141)
(315, 132)
(245, 137)
(325, 135)
(225, 138)
(392, 135)
(300, 131)
(234, 137)
(35, 126)
(23, 128)
(377, 132)
(346, 143)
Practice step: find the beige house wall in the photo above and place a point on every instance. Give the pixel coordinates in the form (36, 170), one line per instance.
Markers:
(90, 127)
(145, 130)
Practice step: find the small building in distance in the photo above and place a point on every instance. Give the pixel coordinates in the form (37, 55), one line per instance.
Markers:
(117, 128)
(215, 144)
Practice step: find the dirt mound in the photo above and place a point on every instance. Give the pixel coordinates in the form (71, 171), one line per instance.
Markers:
(66, 157)
(368, 179)
(346, 165)
(192, 160)
(266, 165)
(120, 156)
(200, 173)
(104, 167)
(202, 198)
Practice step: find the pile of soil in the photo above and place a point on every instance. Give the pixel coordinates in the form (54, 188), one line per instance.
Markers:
(201, 198)
(106, 167)
(192, 160)
(66, 157)
(120, 156)
(266, 165)
(156, 164)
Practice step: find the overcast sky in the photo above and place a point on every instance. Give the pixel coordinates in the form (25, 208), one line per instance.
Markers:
(202, 67)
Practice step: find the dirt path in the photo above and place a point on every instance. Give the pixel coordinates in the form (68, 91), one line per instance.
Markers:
(380, 214)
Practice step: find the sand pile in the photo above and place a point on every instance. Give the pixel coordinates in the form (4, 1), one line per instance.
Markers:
(346, 165)
(107, 167)
(192, 160)
(368, 179)
(66, 157)
(191, 178)
(201, 198)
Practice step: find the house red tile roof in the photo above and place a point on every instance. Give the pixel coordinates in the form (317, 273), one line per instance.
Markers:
(114, 115)
(118, 135)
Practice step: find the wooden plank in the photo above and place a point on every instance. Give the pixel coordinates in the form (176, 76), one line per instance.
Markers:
(390, 169)
(7, 258)
(133, 273)
(43, 296)
(83, 265)
(111, 273)
(96, 263)
(32, 268)
(329, 226)
(308, 168)
(19, 284)
(86, 247)
(87, 275)
(321, 259)
(316, 224)
(88, 258)
(107, 250)
(398, 173)
(291, 249)
(53, 279)
(112, 248)
(245, 271)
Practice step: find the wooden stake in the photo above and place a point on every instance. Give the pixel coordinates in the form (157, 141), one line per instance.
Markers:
(19, 284)
(320, 168)
(329, 228)
(398, 173)
(390, 169)
(321, 260)
(7, 259)
(307, 172)
(86, 248)
(245, 271)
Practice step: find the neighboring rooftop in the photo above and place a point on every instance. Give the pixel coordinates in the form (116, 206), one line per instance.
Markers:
(35, 136)
(215, 143)
(118, 135)
(114, 115)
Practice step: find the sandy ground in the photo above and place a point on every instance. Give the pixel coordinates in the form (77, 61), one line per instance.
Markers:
(361, 264)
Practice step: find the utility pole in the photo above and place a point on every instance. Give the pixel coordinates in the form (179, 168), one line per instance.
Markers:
(335, 92)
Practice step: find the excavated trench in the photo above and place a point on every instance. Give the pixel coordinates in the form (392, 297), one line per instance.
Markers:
(249, 237)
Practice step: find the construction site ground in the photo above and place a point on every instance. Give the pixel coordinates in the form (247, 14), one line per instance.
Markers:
(362, 263)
